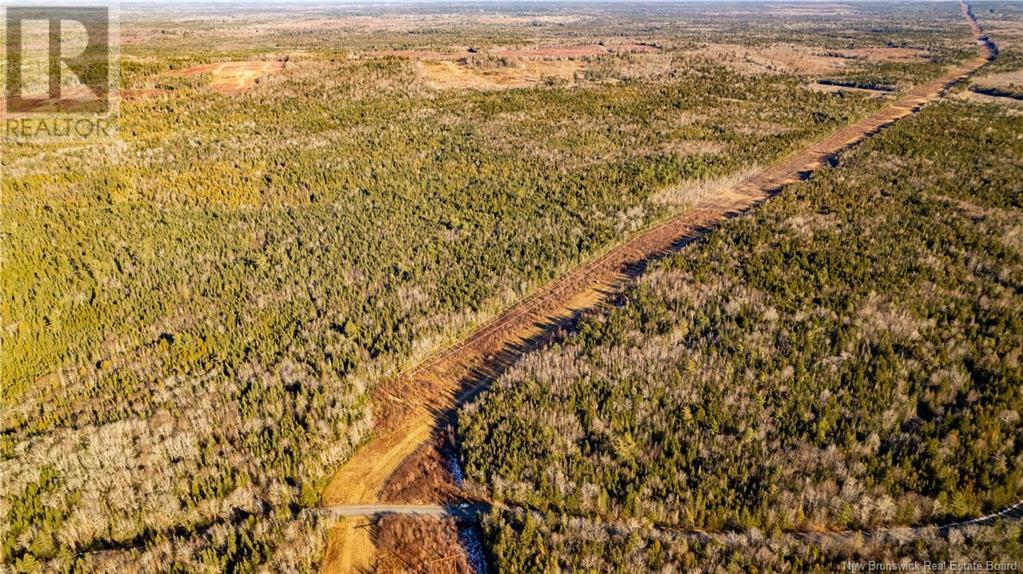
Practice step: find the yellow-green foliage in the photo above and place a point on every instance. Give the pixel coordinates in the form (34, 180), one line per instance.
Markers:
(847, 356)
(193, 316)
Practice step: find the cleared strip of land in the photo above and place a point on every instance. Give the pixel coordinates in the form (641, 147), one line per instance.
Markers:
(410, 406)
(458, 511)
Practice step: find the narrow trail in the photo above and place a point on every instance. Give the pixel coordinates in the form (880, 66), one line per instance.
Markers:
(410, 407)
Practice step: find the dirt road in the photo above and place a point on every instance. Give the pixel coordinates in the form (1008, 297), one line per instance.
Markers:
(409, 407)
(458, 511)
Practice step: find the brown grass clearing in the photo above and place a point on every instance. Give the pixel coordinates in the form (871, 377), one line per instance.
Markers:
(692, 192)
(634, 48)
(140, 93)
(1011, 81)
(451, 75)
(691, 147)
(73, 100)
(235, 77)
(1013, 107)
(350, 546)
(1008, 33)
(800, 60)
(227, 78)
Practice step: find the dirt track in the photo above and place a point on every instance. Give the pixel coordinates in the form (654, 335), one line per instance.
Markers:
(410, 405)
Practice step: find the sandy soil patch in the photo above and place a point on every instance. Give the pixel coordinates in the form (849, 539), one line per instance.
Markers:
(350, 547)
(234, 77)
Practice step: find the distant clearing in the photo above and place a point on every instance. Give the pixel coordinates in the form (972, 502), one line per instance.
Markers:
(421, 54)
(452, 75)
(834, 88)
(886, 54)
(234, 77)
(1005, 84)
(803, 60)
(510, 67)
(573, 51)
(554, 52)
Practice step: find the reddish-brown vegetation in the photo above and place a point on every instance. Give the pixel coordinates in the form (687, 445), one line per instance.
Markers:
(424, 477)
(419, 544)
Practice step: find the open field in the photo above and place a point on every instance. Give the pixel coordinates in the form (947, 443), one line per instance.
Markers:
(209, 325)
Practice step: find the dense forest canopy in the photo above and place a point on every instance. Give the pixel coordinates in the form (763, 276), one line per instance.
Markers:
(845, 357)
(193, 316)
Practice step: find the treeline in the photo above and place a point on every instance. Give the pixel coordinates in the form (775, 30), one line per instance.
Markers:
(552, 543)
(845, 357)
(1014, 92)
